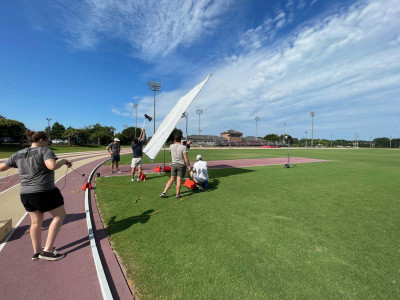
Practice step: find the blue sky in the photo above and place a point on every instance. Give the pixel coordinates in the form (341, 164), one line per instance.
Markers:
(86, 62)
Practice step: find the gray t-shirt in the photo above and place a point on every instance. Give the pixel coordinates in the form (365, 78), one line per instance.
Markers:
(114, 148)
(35, 177)
(177, 151)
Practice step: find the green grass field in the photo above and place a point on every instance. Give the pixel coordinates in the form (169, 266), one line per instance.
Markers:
(213, 154)
(316, 231)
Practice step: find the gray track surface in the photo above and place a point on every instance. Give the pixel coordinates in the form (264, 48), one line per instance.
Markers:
(74, 277)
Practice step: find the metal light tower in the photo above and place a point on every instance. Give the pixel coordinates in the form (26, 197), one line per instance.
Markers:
(312, 114)
(135, 106)
(48, 126)
(199, 112)
(155, 87)
(186, 116)
(306, 137)
(256, 118)
(284, 128)
(356, 139)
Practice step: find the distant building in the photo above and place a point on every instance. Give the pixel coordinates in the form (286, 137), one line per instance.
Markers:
(207, 140)
(232, 135)
(229, 138)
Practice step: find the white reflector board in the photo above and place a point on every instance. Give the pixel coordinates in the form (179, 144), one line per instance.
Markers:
(171, 120)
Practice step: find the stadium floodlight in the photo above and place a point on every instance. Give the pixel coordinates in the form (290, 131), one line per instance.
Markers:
(306, 137)
(199, 112)
(356, 142)
(256, 118)
(135, 106)
(155, 87)
(312, 114)
(48, 126)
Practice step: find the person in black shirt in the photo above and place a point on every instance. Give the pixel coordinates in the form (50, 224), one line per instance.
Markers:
(137, 160)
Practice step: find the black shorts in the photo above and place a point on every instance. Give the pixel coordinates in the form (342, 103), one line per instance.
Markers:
(115, 158)
(42, 201)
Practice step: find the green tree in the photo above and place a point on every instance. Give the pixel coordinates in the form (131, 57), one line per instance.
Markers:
(170, 139)
(282, 138)
(382, 142)
(103, 134)
(70, 133)
(57, 130)
(128, 134)
(272, 137)
(13, 129)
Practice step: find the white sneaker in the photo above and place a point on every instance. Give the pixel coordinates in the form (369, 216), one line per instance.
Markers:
(132, 179)
(138, 179)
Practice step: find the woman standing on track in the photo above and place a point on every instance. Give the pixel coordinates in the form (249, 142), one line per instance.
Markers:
(38, 192)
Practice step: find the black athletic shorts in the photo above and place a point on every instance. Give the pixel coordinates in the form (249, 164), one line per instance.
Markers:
(42, 201)
(115, 158)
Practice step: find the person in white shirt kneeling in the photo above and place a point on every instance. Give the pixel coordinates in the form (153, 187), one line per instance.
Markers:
(199, 172)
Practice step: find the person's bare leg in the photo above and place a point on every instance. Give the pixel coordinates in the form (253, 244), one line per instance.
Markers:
(116, 165)
(139, 171)
(112, 167)
(133, 172)
(169, 183)
(178, 186)
(55, 225)
(36, 230)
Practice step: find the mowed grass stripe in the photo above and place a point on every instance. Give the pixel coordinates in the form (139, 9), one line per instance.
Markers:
(321, 230)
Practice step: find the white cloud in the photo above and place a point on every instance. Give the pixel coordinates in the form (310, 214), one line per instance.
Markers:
(153, 27)
(341, 67)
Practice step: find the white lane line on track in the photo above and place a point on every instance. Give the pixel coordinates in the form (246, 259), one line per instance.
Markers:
(104, 286)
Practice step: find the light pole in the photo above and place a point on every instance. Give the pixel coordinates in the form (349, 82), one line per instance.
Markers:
(356, 139)
(256, 118)
(199, 112)
(284, 128)
(186, 116)
(331, 139)
(370, 141)
(306, 137)
(48, 126)
(312, 114)
(155, 87)
(135, 106)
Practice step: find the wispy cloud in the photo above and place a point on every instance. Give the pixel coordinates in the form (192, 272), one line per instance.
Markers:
(153, 27)
(342, 67)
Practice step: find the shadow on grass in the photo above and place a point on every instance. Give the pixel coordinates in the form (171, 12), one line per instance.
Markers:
(118, 226)
(223, 171)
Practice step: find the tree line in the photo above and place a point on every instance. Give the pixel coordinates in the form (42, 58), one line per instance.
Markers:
(88, 135)
(103, 135)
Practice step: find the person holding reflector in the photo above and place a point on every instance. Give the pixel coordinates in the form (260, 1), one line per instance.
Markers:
(180, 162)
(137, 160)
